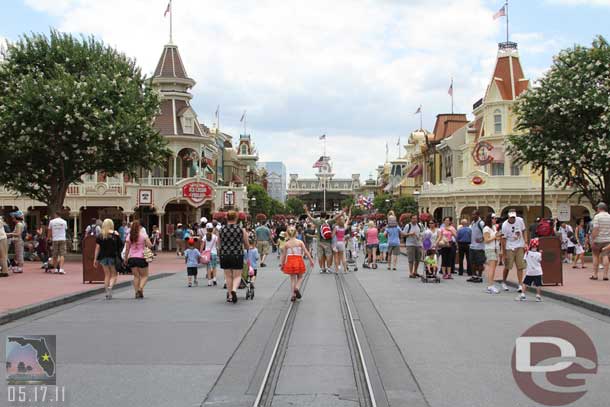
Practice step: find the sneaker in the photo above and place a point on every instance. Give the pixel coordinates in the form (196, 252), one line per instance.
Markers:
(538, 298)
(520, 297)
(17, 270)
(190, 285)
(492, 290)
(214, 281)
(504, 287)
(322, 271)
(196, 283)
(520, 290)
(210, 283)
(61, 271)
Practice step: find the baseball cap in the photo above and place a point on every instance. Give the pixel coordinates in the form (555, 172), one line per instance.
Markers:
(203, 220)
(512, 214)
(209, 226)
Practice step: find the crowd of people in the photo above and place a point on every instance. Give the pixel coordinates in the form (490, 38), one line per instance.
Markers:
(477, 245)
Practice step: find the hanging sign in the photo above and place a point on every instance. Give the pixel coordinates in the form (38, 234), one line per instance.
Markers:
(481, 155)
(197, 192)
(563, 212)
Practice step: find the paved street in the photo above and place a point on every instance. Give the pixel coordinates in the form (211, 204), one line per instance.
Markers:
(445, 344)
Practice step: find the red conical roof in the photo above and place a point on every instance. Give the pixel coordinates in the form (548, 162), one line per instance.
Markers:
(170, 64)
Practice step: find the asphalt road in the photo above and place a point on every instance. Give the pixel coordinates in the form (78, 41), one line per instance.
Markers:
(445, 344)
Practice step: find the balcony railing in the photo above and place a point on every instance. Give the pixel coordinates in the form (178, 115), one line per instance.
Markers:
(157, 181)
(498, 183)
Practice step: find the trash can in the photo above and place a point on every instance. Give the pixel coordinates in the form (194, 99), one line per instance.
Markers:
(91, 274)
(552, 267)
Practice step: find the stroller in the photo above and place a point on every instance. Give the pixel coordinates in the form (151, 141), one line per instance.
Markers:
(246, 281)
(430, 274)
(352, 254)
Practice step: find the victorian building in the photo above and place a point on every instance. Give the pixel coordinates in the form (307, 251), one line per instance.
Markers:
(204, 174)
(471, 168)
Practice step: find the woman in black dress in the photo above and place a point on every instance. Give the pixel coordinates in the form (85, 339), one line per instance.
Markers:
(231, 252)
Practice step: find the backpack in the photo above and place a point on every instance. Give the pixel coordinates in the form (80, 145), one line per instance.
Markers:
(92, 230)
(544, 228)
(419, 225)
(325, 232)
(24, 232)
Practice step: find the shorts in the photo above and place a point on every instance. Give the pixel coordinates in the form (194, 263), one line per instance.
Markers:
(213, 263)
(263, 248)
(108, 261)
(596, 248)
(533, 280)
(324, 249)
(515, 256)
(372, 246)
(414, 254)
(232, 261)
(383, 247)
(191, 271)
(340, 247)
(477, 257)
(394, 250)
(59, 248)
(137, 262)
(571, 250)
(491, 255)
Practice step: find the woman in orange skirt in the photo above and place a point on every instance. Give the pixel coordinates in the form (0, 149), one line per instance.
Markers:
(292, 262)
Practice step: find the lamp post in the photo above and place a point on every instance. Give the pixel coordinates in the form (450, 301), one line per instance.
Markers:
(416, 194)
(253, 211)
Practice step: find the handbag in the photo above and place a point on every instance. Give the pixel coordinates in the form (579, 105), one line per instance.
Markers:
(148, 255)
(206, 256)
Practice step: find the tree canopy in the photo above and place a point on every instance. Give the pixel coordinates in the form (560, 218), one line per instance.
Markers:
(262, 203)
(565, 122)
(70, 107)
(294, 206)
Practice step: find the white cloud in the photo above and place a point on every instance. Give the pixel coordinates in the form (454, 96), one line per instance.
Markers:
(353, 69)
(580, 2)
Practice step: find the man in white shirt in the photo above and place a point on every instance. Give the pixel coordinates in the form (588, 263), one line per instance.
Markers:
(57, 234)
(513, 245)
(600, 237)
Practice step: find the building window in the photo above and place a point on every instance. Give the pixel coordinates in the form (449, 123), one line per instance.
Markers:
(497, 169)
(497, 122)
(244, 149)
(515, 169)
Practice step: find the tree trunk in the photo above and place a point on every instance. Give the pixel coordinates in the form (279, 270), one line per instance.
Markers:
(56, 200)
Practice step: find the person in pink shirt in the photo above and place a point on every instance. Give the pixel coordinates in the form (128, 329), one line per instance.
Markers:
(372, 243)
(136, 241)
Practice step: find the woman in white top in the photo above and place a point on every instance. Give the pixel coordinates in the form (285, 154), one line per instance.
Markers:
(492, 238)
(210, 243)
(3, 250)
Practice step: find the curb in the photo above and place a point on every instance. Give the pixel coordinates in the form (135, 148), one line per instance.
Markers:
(570, 299)
(63, 300)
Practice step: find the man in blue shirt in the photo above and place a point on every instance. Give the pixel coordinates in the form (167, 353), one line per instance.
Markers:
(464, 234)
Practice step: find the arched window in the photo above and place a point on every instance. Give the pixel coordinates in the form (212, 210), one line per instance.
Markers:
(497, 121)
(244, 149)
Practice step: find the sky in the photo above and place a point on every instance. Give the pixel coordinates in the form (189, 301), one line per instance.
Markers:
(355, 70)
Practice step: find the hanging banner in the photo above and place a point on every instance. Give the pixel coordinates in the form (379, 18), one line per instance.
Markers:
(197, 192)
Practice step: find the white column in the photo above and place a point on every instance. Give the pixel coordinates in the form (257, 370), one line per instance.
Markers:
(175, 165)
(149, 178)
(75, 216)
(161, 226)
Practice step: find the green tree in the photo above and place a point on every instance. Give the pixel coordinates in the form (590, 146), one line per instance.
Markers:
(383, 203)
(294, 206)
(565, 122)
(348, 202)
(277, 208)
(262, 203)
(71, 107)
(404, 204)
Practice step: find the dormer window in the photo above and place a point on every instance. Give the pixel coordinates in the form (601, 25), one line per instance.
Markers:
(187, 120)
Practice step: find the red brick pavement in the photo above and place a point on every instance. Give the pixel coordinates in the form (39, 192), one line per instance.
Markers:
(35, 286)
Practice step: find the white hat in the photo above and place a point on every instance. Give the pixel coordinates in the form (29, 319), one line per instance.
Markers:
(512, 214)
(209, 225)
(203, 220)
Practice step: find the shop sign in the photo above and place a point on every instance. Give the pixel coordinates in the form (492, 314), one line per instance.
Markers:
(145, 197)
(563, 212)
(197, 192)
(229, 198)
(481, 153)
(477, 180)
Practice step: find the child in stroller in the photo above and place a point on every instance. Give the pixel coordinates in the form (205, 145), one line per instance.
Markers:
(430, 262)
(351, 244)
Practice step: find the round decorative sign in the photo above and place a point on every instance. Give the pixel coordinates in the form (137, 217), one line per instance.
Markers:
(481, 155)
(477, 180)
(197, 192)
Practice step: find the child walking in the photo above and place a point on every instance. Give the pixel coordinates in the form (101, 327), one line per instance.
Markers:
(533, 271)
(292, 263)
(192, 257)
(252, 257)
(210, 248)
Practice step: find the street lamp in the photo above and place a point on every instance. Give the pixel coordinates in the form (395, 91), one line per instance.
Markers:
(253, 211)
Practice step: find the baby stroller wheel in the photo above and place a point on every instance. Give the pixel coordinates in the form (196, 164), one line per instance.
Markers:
(252, 294)
(438, 280)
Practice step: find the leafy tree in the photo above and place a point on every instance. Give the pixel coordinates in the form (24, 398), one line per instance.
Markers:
(72, 107)
(347, 202)
(262, 203)
(383, 203)
(294, 206)
(404, 204)
(277, 208)
(565, 122)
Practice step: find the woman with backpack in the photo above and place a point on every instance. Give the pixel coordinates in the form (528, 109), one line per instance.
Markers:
(18, 236)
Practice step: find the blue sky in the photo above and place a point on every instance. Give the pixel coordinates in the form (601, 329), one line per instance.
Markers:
(353, 69)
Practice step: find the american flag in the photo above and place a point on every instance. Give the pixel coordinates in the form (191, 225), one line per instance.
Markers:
(418, 111)
(323, 137)
(500, 13)
(319, 163)
(243, 116)
(217, 110)
(451, 88)
(168, 9)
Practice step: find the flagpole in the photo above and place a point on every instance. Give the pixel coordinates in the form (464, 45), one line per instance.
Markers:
(171, 23)
(421, 119)
(506, 5)
(452, 90)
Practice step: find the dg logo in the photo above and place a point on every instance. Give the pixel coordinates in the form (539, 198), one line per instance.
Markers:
(551, 362)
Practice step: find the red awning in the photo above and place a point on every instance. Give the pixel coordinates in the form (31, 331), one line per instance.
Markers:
(415, 171)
